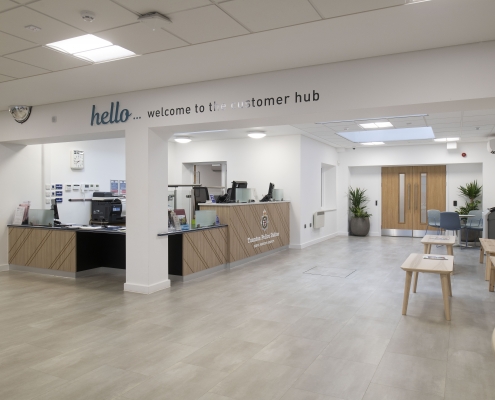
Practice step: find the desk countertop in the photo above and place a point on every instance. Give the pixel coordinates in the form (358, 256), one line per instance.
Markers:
(78, 230)
(170, 233)
(242, 204)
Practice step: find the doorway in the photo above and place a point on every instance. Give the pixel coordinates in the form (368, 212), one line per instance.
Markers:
(407, 193)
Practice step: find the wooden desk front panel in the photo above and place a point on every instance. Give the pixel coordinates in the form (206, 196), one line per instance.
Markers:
(244, 222)
(202, 250)
(43, 248)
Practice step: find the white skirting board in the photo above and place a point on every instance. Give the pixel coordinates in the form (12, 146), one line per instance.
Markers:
(312, 242)
(144, 289)
(4, 267)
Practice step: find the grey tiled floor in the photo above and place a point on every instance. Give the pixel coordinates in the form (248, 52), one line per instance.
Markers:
(263, 331)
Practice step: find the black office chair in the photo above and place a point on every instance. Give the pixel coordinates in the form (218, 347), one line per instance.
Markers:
(200, 196)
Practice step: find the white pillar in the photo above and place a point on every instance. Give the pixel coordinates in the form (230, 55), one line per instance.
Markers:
(147, 211)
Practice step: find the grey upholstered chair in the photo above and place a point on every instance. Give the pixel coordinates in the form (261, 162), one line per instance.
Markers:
(474, 223)
(433, 219)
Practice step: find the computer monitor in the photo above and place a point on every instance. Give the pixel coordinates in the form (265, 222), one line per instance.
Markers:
(236, 185)
(269, 195)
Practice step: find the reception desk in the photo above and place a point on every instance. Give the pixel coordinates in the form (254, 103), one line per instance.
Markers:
(254, 228)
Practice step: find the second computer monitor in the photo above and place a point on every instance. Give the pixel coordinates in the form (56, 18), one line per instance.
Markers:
(237, 185)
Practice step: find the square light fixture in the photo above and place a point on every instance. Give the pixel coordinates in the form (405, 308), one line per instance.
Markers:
(372, 143)
(105, 54)
(92, 48)
(376, 125)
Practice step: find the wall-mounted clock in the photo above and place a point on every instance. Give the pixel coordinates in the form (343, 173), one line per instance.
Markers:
(77, 159)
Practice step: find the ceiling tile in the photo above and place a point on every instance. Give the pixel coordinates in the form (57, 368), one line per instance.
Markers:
(14, 22)
(479, 112)
(141, 39)
(164, 7)
(11, 44)
(262, 15)
(4, 78)
(107, 14)
(204, 25)
(443, 120)
(336, 8)
(448, 125)
(454, 114)
(47, 59)
(7, 5)
(479, 119)
(17, 69)
(321, 128)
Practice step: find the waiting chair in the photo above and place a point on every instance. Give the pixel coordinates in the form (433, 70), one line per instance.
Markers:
(450, 221)
(474, 223)
(200, 196)
(433, 220)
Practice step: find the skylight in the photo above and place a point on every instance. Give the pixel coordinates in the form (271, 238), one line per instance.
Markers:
(389, 135)
(91, 48)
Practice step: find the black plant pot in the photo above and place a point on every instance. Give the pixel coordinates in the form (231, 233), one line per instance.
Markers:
(360, 226)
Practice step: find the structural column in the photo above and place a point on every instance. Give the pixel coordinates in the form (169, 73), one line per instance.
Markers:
(147, 211)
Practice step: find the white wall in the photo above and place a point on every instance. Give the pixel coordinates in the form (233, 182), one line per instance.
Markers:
(272, 159)
(103, 160)
(20, 176)
(313, 154)
(369, 178)
(478, 164)
(461, 174)
(208, 177)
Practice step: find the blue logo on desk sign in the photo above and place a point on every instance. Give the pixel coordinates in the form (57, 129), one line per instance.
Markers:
(114, 116)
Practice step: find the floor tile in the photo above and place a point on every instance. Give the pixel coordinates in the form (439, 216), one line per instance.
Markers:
(257, 331)
(412, 373)
(297, 394)
(381, 392)
(336, 377)
(223, 354)
(258, 380)
(359, 348)
(316, 328)
(292, 351)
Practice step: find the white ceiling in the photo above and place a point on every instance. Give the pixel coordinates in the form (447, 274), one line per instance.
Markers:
(469, 126)
(212, 39)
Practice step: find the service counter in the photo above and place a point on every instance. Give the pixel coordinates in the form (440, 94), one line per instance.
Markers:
(246, 232)
(254, 228)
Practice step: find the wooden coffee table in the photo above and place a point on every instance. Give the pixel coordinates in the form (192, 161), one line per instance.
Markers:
(444, 267)
(428, 240)
(488, 247)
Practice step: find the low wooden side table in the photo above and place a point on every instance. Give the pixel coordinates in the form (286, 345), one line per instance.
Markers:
(488, 247)
(428, 240)
(442, 265)
(491, 287)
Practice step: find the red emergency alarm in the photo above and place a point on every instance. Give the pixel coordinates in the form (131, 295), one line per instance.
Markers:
(464, 154)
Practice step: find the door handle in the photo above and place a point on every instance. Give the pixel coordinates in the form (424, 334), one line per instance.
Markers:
(409, 196)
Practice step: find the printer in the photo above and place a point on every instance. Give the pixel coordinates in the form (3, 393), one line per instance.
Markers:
(107, 209)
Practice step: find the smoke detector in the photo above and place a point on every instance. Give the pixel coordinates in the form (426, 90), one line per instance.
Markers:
(88, 16)
(155, 20)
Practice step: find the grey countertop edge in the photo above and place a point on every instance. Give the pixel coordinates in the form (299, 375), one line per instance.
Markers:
(191, 230)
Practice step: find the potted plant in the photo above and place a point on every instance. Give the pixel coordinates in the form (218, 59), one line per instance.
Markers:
(472, 191)
(360, 221)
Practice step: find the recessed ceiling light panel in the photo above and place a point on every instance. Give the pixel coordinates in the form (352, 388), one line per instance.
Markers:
(446, 139)
(372, 143)
(79, 44)
(109, 53)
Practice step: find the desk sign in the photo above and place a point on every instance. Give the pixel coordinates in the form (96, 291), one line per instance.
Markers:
(212, 198)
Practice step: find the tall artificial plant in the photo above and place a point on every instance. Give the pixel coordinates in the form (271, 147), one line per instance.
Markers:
(357, 202)
(471, 191)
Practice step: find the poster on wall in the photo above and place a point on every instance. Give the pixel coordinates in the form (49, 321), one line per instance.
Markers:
(122, 188)
(114, 187)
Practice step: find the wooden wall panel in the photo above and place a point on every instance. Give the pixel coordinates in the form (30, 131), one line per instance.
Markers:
(244, 222)
(43, 248)
(204, 249)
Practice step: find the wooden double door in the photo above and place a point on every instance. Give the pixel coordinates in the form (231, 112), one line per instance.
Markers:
(407, 194)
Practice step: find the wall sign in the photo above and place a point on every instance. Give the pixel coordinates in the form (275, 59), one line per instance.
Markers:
(110, 117)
